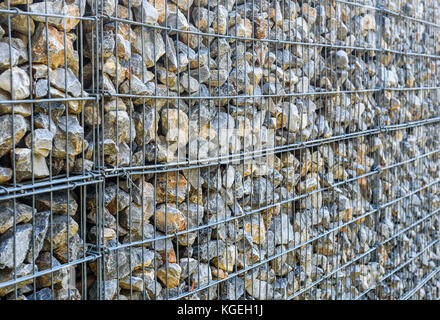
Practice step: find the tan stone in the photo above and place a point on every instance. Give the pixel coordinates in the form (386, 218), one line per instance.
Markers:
(55, 41)
(169, 219)
(170, 275)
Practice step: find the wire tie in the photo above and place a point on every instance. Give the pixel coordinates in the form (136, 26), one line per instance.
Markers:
(5, 189)
(15, 14)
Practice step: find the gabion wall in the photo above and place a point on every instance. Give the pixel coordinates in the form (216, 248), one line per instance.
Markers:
(219, 149)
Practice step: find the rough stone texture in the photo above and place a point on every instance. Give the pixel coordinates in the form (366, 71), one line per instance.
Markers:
(191, 173)
(17, 243)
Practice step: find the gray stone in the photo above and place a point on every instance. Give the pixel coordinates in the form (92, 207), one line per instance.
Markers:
(17, 83)
(61, 229)
(28, 165)
(66, 81)
(40, 227)
(23, 213)
(7, 140)
(8, 59)
(14, 246)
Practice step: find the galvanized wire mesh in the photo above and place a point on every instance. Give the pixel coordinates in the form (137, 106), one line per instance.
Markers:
(198, 149)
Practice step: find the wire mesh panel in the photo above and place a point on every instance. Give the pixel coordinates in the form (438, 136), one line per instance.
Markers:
(49, 110)
(210, 149)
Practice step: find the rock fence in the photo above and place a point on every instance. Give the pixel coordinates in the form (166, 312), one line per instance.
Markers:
(219, 149)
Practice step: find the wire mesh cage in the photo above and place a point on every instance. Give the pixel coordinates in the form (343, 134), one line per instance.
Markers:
(210, 149)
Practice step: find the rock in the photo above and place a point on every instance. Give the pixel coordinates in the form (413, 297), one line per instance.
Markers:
(169, 276)
(46, 261)
(148, 44)
(131, 283)
(255, 226)
(61, 229)
(40, 142)
(226, 259)
(43, 294)
(69, 129)
(23, 109)
(54, 39)
(175, 123)
(341, 59)
(28, 166)
(66, 81)
(19, 89)
(171, 187)
(23, 213)
(19, 22)
(261, 290)
(188, 267)
(19, 272)
(57, 8)
(146, 13)
(5, 174)
(60, 203)
(282, 228)
(105, 291)
(233, 288)
(6, 60)
(40, 225)
(54, 109)
(169, 219)
(14, 246)
(75, 250)
(147, 123)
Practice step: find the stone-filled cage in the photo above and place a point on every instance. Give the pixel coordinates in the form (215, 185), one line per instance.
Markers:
(219, 149)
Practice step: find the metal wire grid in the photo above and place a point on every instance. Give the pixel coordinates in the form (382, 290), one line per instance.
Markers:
(311, 263)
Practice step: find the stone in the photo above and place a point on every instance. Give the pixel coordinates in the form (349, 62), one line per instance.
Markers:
(57, 8)
(131, 283)
(69, 129)
(175, 123)
(23, 109)
(8, 60)
(22, 270)
(226, 259)
(282, 228)
(28, 165)
(146, 13)
(341, 59)
(149, 45)
(14, 246)
(66, 81)
(60, 231)
(23, 214)
(106, 291)
(54, 39)
(256, 227)
(5, 174)
(161, 7)
(188, 267)
(147, 123)
(54, 109)
(9, 123)
(59, 203)
(169, 219)
(259, 289)
(43, 294)
(75, 250)
(40, 142)
(19, 22)
(46, 261)
(169, 276)
(19, 89)
(171, 187)
(40, 227)
(134, 216)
